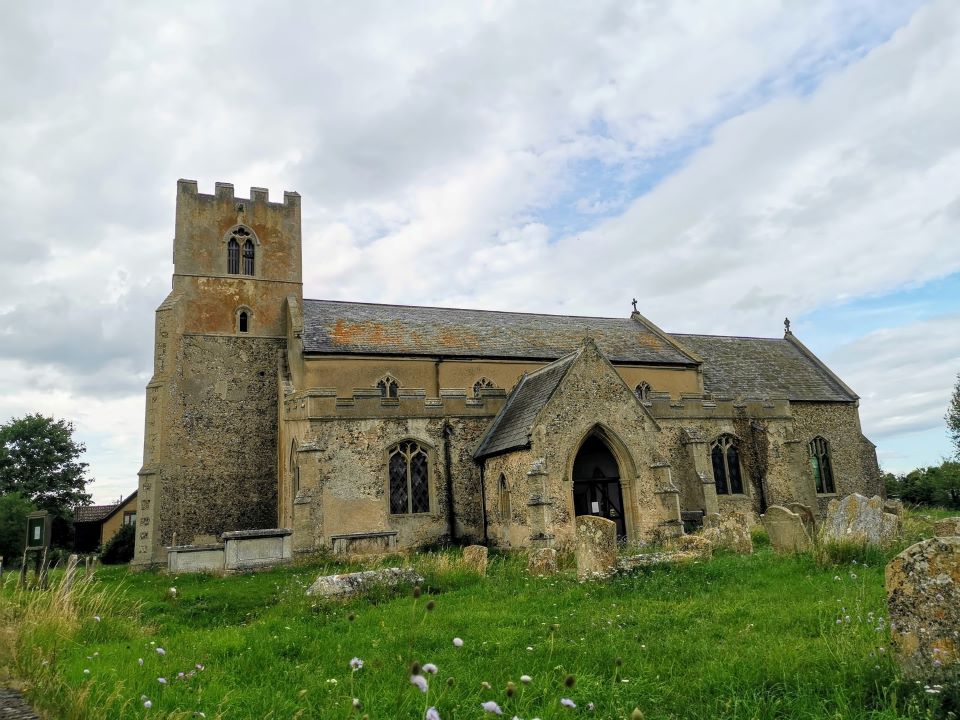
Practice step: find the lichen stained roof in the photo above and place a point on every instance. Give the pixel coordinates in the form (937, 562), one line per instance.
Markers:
(336, 327)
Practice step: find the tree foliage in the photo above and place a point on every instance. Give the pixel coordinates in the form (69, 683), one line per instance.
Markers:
(119, 549)
(14, 509)
(39, 459)
(953, 418)
(938, 485)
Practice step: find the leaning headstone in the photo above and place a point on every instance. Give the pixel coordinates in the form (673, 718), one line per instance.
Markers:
(542, 561)
(947, 527)
(786, 530)
(343, 586)
(923, 595)
(806, 516)
(729, 532)
(475, 558)
(596, 548)
(857, 519)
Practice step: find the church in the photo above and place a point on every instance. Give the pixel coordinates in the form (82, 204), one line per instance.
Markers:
(365, 428)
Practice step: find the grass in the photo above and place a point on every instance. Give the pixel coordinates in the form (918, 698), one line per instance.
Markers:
(756, 636)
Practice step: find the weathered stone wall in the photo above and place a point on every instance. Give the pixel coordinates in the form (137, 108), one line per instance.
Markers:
(218, 468)
(344, 480)
(515, 530)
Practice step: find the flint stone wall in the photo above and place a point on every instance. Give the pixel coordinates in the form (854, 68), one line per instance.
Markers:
(923, 595)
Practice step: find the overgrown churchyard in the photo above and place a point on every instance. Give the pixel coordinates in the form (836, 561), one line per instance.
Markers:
(751, 634)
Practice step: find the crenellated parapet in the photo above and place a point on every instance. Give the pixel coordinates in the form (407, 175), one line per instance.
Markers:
(323, 404)
(224, 191)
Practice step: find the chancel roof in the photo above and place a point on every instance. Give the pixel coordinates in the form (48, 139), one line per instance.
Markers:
(764, 368)
(331, 326)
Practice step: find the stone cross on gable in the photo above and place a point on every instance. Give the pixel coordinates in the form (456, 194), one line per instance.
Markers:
(786, 326)
(634, 303)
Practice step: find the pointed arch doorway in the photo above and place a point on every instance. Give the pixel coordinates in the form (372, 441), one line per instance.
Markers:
(596, 484)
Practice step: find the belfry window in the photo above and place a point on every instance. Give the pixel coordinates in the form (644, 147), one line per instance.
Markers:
(821, 466)
(642, 391)
(482, 384)
(726, 465)
(248, 258)
(409, 472)
(233, 257)
(389, 387)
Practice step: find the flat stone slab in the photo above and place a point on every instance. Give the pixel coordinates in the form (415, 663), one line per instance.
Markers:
(13, 706)
(632, 562)
(349, 584)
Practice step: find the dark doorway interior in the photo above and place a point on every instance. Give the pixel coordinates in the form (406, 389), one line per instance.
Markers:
(596, 484)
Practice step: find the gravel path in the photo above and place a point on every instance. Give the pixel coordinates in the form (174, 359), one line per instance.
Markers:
(13, 706)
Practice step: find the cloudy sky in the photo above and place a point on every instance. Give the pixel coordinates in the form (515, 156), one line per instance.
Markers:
(726, 163)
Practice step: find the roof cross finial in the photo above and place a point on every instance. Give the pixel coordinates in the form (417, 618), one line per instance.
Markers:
(786, 326)
(634, 303)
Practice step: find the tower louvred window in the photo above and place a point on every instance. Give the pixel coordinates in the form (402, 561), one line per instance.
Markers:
(233, 257)
(409, 471)
(248, 258)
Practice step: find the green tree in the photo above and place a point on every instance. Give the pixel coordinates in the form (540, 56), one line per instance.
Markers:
(953, 418)
(40, 460)
(14, 509)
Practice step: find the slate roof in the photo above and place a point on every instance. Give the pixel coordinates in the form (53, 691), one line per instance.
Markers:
(764, 368)
(331, 326)
(93, 513)
(510, 428)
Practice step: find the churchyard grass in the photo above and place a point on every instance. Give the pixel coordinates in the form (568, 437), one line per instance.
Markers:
(734, 637)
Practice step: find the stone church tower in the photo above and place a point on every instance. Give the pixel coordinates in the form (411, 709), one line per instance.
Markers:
(210, 442)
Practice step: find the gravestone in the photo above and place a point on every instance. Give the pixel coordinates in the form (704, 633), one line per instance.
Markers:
(696, 545)
(596, 548)
(923, 595)
(475, 558)
(894, 507)
(947, 527)
(860, 520)
(346, 585)
(786, 530)
(542, 561)
(729, 532)
(806, 516)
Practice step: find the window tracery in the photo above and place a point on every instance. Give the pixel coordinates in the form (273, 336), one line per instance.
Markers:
(822, 466)
(240, 239)
(642, 391)
(409, 471)
(727, 474)
(389, 387)
(482, 384)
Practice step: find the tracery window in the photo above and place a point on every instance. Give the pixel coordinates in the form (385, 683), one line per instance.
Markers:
(482, 384)
(409, 471)
(389, 387)
(726, 465)
(642, 391)
(240, 239)
(821, 465)
(233, 257)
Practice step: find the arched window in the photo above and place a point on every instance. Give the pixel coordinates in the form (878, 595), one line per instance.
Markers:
(248, 258)
(240, 238)
(243, 321)
(726, 465)
(388, 386)
(409, 471)
(482, 384)
(233, 257)
(822, 468)
(504, 491)
(642, 391)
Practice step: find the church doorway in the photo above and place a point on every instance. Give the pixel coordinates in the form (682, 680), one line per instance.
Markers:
(596, 484)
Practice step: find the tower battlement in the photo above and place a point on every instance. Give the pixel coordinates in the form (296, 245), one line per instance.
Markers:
(225, 191)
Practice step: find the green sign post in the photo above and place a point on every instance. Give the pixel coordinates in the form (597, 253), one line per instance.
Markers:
(39, 529)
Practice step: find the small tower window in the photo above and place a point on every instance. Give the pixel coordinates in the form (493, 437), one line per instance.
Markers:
(248, 258)
(233, 257)
(389, 387)
(243, 321)
(642, 391)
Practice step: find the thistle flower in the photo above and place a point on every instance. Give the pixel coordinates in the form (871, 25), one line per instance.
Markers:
(457, 642)
(491, 707)
(420, 681)
(526, 679)
(432, 714)
(162, 681)
(356, 663)
(567, 702)
(430, 668)
(147, 704)
(161, 651)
